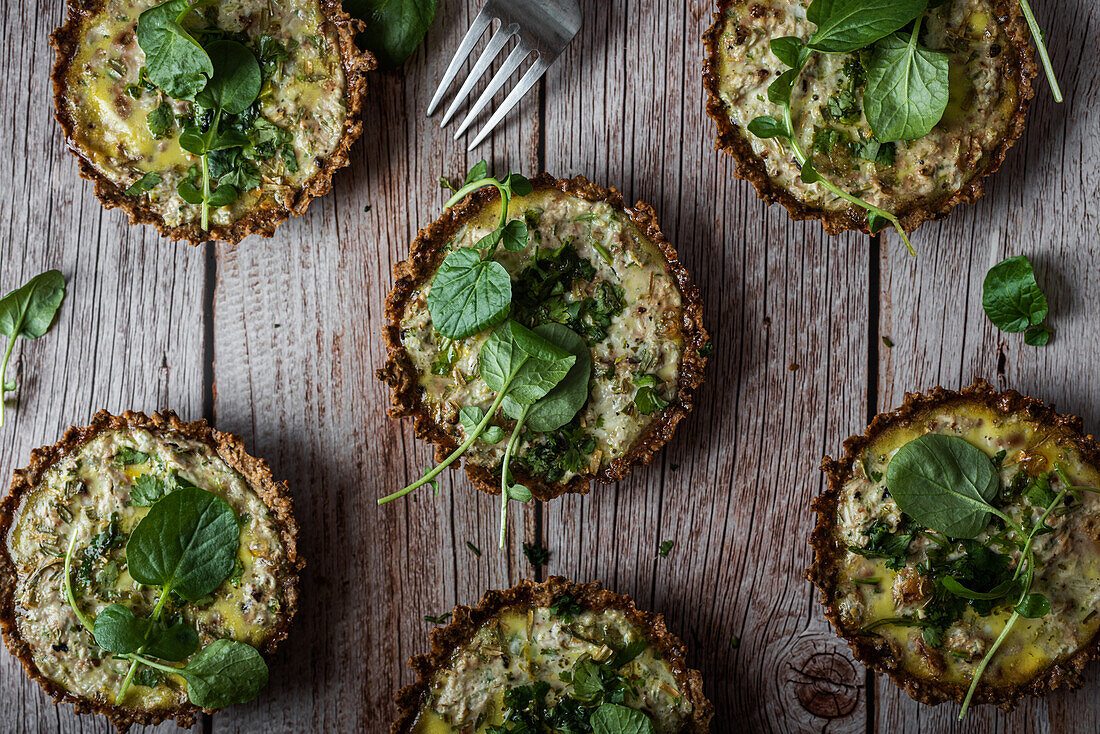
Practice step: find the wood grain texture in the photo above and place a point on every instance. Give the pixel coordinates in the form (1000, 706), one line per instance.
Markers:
(1040, 205)
(129, 334)
(293, 337)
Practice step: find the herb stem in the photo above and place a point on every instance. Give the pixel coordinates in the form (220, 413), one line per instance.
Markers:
(126, 683)
(138, 658)
(454, 455)
(802, 159)
(980, 670)
(1037, 35)
(1026, 553)
(69, 596)
(4, 373)
(506, 474)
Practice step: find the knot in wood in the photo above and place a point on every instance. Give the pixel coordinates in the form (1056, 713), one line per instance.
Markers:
(826, 684)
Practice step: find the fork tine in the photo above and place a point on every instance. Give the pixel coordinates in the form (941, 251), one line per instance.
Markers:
(481, 22)
(519, 53)
(533, 75)
(496, 43)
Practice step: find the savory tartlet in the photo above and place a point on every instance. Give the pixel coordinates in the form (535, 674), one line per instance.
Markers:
(1002, 599)
(73, 527)
(555, 654)
(129, 97)
(984, 45)
(591, 266)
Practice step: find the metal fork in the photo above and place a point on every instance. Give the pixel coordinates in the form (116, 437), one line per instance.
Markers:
(544, 27)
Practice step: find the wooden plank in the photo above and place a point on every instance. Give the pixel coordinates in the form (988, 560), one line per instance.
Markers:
(130, 332)
(732, 489)
(1037, 205)
(304, 395)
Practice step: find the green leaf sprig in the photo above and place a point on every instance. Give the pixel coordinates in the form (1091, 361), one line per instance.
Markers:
(222, 79)
(28, 312)
(472, 292)
(187, 545)
(792, 52)
(523, 367)
(947, 484)
(1014, 302)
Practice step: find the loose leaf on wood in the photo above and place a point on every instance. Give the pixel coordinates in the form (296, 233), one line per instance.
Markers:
(944, 483)
(188, 543)
(394, 27)
(907, 88)
(1011, 296)
(468, 294)
(28, 312)
(849, 25)
(174, 60)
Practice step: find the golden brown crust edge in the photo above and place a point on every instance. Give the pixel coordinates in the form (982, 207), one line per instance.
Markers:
(873, 651)
(466, 621)
(424, 258)
(231, 450)
(749, 166)
(356, 63)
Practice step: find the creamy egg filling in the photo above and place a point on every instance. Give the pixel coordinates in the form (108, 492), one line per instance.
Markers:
(641, 342)
(828, 113)
(89, 493)
(304, 97)
(521, 647)
(869, 592)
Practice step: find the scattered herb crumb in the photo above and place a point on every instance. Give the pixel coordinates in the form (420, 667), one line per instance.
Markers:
(538, 555)
(437, 620)
(888, 342)
(674, 467)
(366, 208)
(665, 549)
(735, 642)
(473, 549)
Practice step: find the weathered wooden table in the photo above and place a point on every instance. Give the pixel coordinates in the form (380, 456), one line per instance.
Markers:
(277, 340)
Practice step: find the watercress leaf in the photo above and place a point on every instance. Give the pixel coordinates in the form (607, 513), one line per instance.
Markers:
(500, 359)
(1011, 296)
(160, 120)
(536, 345)
(849, 25)
(489, 240)
(222, 196)
(944, 483)
(790, 50)
(468, 294)
(1000, 591)
(514, 235)
(189, 192)
(479, 171)
(547, 366)
(228, 138)
(612, 718)
(562, 403)
(1038, 335)
(128, 456)
(147, 490)
(174, 60)
(187, 543)
(117, 630)
(779, 91)
(29, 311)
(809, 173)
(177, 642)
(1033, 606)
(519, 185)
(907, 88)
(143, 184)
(191, 139)
(766, 127)
(648, 401)
(223, 673)
(236, 79)
(519, 493)
(394, 28)
(471, 416)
